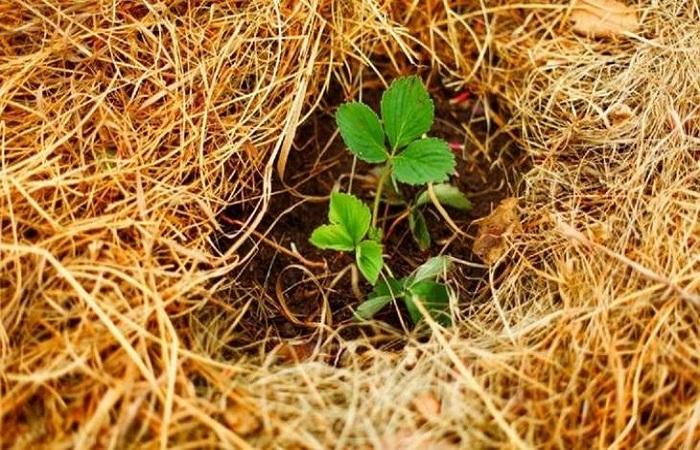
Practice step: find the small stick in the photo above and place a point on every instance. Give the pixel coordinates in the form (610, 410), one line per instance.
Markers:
(397, 221)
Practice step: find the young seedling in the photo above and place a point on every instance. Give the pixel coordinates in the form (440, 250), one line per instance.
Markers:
(349, 224)
(397, 142)
(419, 287)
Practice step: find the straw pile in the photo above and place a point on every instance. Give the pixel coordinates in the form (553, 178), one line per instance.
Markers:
(127, 127)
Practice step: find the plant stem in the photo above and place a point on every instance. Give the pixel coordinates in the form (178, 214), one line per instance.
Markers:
(378, 194)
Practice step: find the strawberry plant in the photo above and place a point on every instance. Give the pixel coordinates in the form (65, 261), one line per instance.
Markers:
(398, 144)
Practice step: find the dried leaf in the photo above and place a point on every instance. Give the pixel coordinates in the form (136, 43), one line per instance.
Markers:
(251, 150)
(406, 439)
(619, 114)
(427, 406)
(598, 232)
(603, 18)
(242, 420)
(491, 241)
(295, 352)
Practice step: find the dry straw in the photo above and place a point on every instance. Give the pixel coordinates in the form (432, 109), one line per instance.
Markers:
(126, 127)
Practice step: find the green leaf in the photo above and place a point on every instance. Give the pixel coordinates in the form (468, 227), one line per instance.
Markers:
(424, 161)
(368, 255)
(447, 195)
(351, 213)
(367, 309)
(361, 131)
(332, 237)
(435, 297)
(431, 269)
(419, 229)
(407, 111)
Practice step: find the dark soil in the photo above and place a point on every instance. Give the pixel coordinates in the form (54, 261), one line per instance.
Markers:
(317, 162)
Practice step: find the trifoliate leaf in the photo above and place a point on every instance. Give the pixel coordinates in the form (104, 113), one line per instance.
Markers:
(361, 131)
(435, 297)
(431, 269)
(419, 229)
(407, 111)
(351, 213)
(447, 195)
(332, 237)
(424, 161)
(368, 255)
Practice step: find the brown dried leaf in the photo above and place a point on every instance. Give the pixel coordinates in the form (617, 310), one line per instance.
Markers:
(603, 18)
(408, 440)
(427, 406)
(242, 420)
(295, 351)
(598, 232)
(619, 114)
(251, 150)
(491, 240)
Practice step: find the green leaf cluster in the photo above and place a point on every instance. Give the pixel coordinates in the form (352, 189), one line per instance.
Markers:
(407, 113)
(397, 140)
(420, 287)
(349, 224)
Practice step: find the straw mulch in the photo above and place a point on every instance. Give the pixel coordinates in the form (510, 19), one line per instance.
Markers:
(127, 127)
